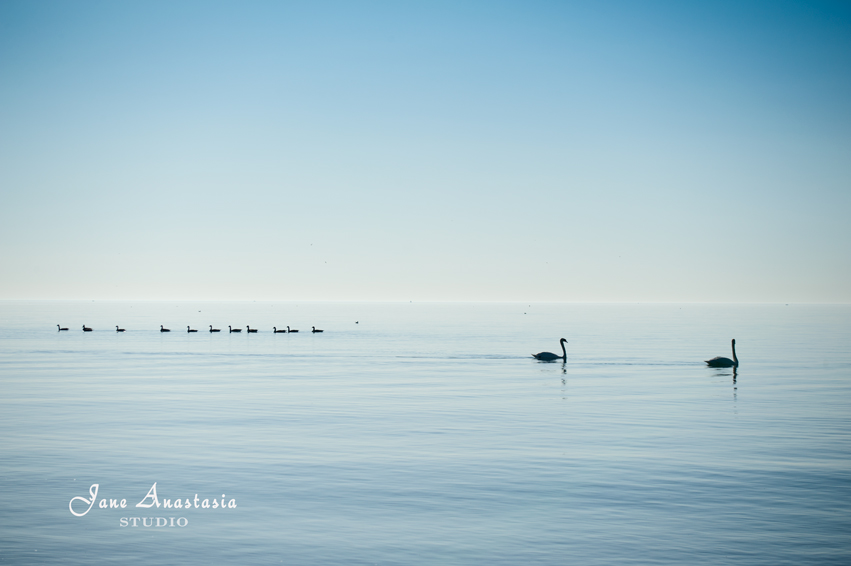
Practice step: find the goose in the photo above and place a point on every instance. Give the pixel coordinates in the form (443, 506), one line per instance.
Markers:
(315, 329)
(234, 329)
(214, 329)
(86, 328)
(60, 328)
(251, 329)
(275, 329)
(549, 356)
(119, 329)
(164, 329)
(288, 330)
(721, 362)
(191, 329)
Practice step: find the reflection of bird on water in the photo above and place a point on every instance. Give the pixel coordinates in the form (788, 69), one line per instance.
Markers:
(60, 328)
(549, 356)
(720, 362)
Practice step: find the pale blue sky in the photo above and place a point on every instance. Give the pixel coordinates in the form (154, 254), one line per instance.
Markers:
(526, 151)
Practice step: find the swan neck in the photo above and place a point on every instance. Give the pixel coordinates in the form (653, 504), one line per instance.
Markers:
(735, 359)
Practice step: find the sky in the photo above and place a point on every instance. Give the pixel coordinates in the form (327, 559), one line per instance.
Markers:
(595, 151)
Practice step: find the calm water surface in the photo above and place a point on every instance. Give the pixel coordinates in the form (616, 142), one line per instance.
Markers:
(426, 434)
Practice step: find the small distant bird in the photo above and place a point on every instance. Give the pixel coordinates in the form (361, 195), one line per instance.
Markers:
(214, 329)
(119, 329)
(164, 329)
(234, 329)
(60, 328)
(251, 329)
(275, 329)
(720, 362)
(86, 328)
(191, 329)
(288, 330)
(315, 329)
(549, 356)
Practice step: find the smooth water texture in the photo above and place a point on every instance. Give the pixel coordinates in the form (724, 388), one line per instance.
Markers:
(426, 434)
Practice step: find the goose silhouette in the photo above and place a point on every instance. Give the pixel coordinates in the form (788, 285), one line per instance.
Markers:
(119, 329)
(289, 330)
(234, 329)
(164, 329)
(251, 329)
(549, 356)
(86, 328)
(191, 329)
(316, 330)
(722, 362)
(214, 329)
(276, 331)
(60, 328)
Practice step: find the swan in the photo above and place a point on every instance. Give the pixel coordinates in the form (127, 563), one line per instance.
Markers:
(60, 328)
(720, 362)
(315, 330)
(119, 329)
(251, 329)
(234, 329)
(214, 329)
(275, 329)
(549, 356)
(288, 330)
(164, 329)
(191, 329)
(86, 328)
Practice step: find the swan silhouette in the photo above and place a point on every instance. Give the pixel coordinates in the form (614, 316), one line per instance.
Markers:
(288, 330)
(275, 329)
(251, 329)
(214, 329)
(119, 329)
(315, 330)
(234, 329)
(86, 328)
(721, 362)
(60, 328)
(191, 329)
(549, 356)
(164, 329)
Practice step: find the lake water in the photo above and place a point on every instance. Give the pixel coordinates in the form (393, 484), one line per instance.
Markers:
(426, 434)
